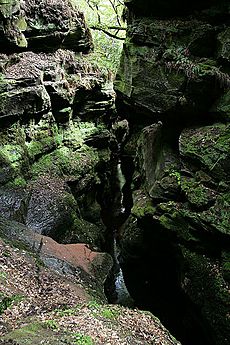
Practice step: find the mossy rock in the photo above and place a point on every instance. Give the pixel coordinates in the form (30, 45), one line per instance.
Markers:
(197, 194)
(13, 162)
(174, 217)
(6, 170)
(9, 7)
(143, 205)
(208, 148)
(34, 334)
(146, 82)
(204, 284)
(217, 217)
(66, 162)
(82, 231)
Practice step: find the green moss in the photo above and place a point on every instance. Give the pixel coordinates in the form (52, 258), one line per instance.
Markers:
(100, 310)
(142, 211)
(143, 205)
(197, 194)
(209, 146)
(67, 312)
(21, 23)
(174, 218)
(36, 148)
(176, 175)
(18, 182)
(21, 41)
(27, 333)
(66, 162)
(85, 232)
(12, 160)
(109, 313)
(14, 153)
(3, 276)
(8, 7)
(52, 324)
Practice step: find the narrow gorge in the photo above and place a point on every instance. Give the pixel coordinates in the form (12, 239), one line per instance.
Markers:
(114, 187)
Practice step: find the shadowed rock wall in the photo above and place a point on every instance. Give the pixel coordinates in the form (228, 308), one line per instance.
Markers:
(173, 87)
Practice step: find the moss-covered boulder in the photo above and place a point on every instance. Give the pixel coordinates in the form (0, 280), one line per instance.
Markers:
(44, 26)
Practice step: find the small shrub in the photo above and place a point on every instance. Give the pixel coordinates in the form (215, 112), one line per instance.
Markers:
(81, 339)
(6, 302)
(52, 324)
(109, 314)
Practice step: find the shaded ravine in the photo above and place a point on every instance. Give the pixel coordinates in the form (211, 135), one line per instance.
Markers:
(143, 278)
(115, 209)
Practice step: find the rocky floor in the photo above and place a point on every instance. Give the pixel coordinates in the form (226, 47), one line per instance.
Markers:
(39, 306)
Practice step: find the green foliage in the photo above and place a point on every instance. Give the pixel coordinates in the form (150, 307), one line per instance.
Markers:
(67, 312)
(52, 324)
(109, 313)
(179, 58)
(81, 339)
(2, 275)
(7, 301)
(108, 31)
(17, 182)
(177, 175)
(94, 305)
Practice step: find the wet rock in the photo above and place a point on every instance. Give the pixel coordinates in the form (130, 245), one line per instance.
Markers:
(53, 211)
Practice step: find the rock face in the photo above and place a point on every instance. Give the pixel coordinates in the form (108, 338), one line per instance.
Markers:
(42, 26)
(173, 87)
(56, 110)
(173, 64)
(55, 115)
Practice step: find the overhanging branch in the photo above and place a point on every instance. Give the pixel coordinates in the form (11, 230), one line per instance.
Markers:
(108, 33)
